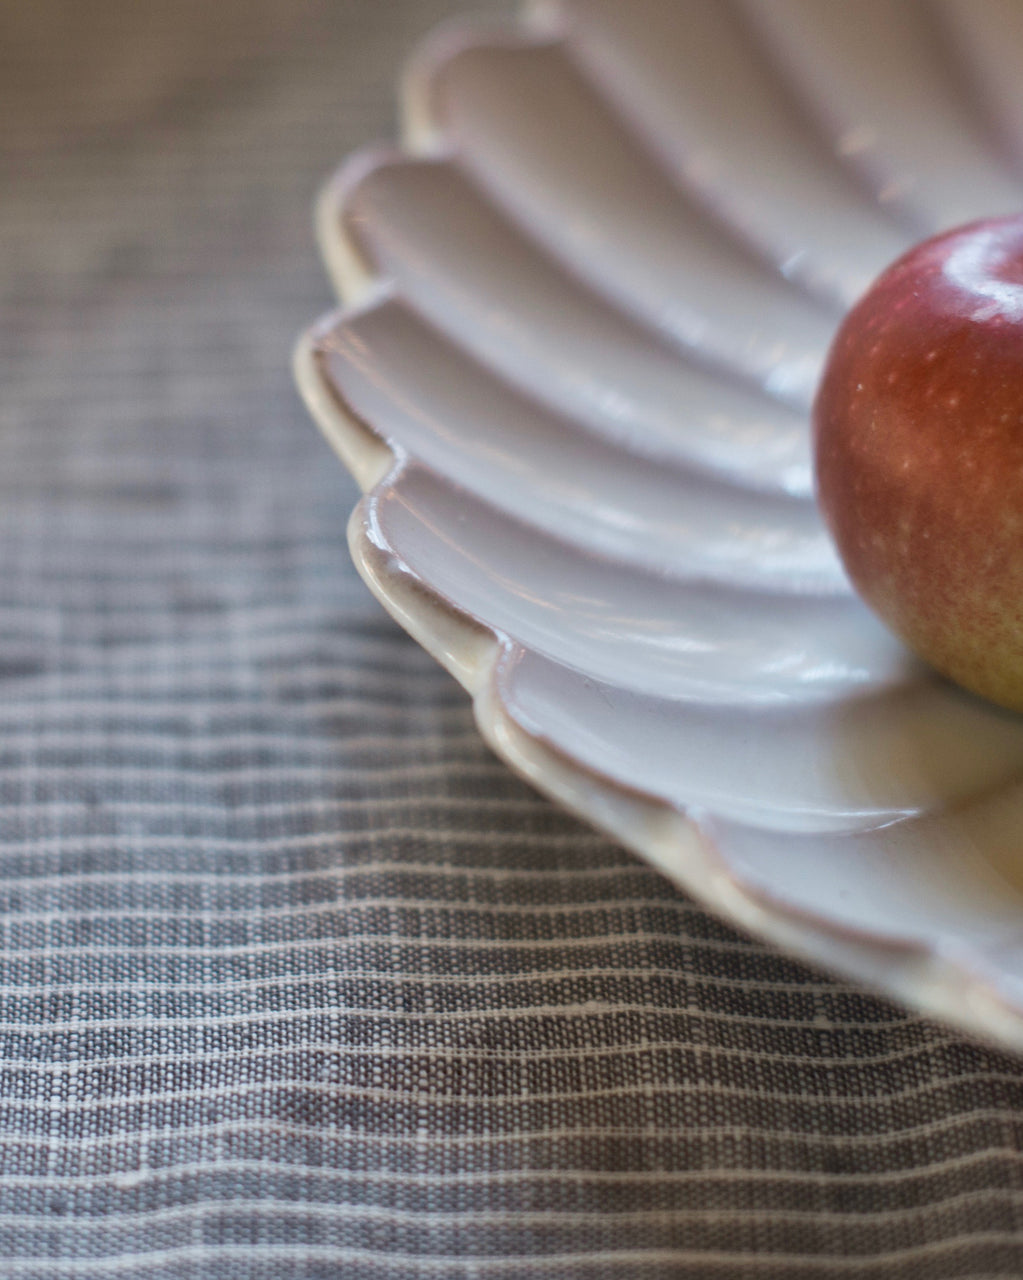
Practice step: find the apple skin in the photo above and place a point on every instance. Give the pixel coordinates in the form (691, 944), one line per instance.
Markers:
(918, 441)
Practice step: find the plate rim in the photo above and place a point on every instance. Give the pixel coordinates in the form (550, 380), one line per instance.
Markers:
(912, 971)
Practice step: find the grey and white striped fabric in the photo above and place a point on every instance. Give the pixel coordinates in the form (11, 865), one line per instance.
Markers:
(295, 979)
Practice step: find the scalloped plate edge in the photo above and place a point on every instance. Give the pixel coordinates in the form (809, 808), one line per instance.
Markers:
(479, 657)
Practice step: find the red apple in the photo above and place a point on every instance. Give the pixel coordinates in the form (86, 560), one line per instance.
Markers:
(918, 429)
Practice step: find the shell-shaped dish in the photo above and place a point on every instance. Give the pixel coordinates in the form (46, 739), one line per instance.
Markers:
(586, 305)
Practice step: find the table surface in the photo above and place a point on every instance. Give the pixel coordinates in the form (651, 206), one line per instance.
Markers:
(295, 978)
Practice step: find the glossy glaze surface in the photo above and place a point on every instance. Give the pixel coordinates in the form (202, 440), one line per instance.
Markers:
(588, 308)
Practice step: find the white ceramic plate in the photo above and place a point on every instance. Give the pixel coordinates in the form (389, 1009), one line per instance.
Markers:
(586, 306)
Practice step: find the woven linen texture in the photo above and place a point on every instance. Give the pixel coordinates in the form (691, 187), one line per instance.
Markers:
(295, 978)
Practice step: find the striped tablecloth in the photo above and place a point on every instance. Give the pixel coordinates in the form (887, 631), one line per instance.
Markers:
(295, 978)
